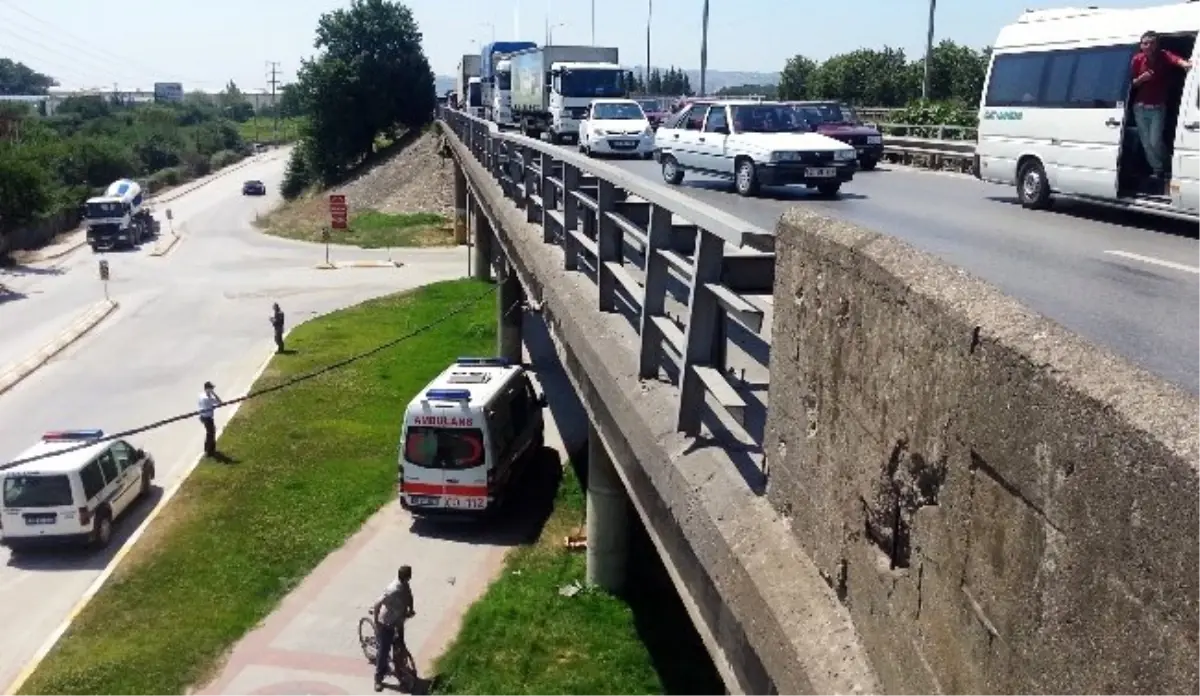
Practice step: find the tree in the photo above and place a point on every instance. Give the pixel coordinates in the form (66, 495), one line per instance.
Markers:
(735, 91)
(956, 73)
(234, 105)
(373, 78)
(289, 102)
(795, 82)
(18, 78)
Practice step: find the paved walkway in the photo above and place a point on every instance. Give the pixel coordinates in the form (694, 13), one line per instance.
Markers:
(309, 645)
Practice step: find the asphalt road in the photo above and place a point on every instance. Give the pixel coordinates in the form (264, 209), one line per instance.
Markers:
(199, 313)
(1127, 281)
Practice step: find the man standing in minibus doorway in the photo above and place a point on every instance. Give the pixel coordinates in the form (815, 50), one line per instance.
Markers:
(1150, 84)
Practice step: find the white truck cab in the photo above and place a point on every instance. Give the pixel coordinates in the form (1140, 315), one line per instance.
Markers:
(616, 127)
(754, 143)
(73, 489)
(502, 94)
(467, 435)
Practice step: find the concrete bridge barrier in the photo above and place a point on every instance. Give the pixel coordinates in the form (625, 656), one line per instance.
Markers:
(1002, 506)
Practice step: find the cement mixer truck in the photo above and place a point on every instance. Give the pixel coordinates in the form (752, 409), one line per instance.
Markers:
(119, 218)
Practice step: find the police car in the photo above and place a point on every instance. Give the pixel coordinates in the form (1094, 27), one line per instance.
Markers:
(75, 496)
(466, 436)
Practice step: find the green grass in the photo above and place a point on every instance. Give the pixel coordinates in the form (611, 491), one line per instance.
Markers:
(304, 219)
(262, 130)
(313, 463)
(523, 637)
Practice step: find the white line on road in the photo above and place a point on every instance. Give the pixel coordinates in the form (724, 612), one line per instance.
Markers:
(1156, 262)
(99, 582)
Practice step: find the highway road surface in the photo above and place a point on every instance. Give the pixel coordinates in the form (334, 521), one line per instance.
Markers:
(199, 313)
(1127, 281)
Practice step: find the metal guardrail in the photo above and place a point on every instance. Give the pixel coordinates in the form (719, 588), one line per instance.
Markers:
(938, 144)
(633, 238)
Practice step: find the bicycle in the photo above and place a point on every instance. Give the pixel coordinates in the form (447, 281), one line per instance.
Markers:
(407, 675)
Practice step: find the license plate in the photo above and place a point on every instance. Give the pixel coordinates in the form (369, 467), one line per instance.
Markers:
(624, 143)
(423, 500)
(466, 503)
(820, 172)
(39, 519)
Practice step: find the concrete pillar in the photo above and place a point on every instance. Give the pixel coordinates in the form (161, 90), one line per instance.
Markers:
(607, 519)
(509, 300)
(481, 261)
(460, 205)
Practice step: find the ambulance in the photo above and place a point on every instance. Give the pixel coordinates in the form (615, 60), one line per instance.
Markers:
(466, 436)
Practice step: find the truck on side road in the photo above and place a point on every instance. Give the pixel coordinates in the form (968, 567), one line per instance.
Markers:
(469, 85)
(119, 217)
(495, 77)
(553, 85)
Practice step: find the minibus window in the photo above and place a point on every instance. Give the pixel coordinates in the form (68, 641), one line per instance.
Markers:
(444, 448)
(37, 491)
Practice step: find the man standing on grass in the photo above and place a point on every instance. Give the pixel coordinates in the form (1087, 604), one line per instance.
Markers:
(277, 325)
(208, 403)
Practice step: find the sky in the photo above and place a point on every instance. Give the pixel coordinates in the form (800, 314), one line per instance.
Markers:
(85, 43)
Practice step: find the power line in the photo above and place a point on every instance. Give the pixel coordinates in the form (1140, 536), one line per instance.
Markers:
(274, 388)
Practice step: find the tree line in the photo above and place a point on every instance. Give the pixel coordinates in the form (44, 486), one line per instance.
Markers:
(886, 78)
(370, 82)
(50, 164)
(672, 83)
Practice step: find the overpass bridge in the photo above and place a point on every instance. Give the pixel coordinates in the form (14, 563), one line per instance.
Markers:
(865, 470)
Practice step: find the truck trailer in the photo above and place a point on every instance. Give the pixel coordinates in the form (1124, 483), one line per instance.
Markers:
(495, 77)
(470, 96)
(553, 85)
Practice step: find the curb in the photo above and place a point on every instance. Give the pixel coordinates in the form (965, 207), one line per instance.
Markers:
(338, 265)
(164, 247)
(182, 191)
(77, 330)
(64, 252)
(90, 593)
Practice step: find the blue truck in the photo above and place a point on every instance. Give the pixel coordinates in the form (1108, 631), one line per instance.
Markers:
(495, 76)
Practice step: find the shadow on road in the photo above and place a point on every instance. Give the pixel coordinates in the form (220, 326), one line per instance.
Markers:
(52, 559)
(777, 193)
(1127, 218)
(22, 270)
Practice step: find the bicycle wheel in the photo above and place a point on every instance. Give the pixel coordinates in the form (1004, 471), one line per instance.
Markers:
(366, 639)
(405, 672)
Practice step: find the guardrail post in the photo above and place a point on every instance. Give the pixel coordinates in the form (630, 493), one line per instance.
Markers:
(654, 296)
(570, 217)
(702, 322)
(547, 190)
(607, 245)
(527, 177)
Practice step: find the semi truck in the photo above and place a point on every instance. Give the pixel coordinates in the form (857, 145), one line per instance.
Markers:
(119, 217)
(495, 77)
(470, 96)
(552, 87)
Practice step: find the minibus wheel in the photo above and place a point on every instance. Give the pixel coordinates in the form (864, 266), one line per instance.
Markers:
(1033, 189)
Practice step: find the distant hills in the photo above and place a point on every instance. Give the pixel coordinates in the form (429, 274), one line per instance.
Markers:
(717, 79)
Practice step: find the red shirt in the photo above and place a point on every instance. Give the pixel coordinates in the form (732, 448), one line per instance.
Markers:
(1153, 92)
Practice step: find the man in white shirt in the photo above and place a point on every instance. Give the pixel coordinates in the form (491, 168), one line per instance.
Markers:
(207, 403)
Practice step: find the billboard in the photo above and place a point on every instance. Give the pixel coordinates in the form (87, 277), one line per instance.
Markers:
(168, 92)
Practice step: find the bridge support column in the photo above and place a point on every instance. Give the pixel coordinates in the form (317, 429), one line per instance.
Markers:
(481, 261)
(607, 519)
(510, 297)
(460, 205)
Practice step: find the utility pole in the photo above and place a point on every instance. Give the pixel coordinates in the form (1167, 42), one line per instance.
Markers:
(274, 82)
(928, 52)
(649, 16)
(593, 22)
(704, 50)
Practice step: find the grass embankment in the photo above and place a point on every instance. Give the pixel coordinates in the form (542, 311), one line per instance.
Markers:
(262, 129)
(313, 462)
(305, 218)
(524, 637)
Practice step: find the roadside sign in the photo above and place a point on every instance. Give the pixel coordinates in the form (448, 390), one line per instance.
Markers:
(338, 211)
(103, 269)
(169, 215)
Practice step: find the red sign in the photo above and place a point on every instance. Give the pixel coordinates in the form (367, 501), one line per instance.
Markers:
(338, 211)
(445, 421)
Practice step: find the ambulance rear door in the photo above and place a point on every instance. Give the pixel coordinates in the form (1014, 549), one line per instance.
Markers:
(444, 462)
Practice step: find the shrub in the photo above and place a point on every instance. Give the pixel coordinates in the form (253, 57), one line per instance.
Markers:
(299, 175)
(224, 158)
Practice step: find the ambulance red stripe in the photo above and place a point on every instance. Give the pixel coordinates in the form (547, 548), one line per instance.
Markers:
(414, 488)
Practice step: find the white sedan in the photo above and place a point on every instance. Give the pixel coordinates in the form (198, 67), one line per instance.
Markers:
(616, 127)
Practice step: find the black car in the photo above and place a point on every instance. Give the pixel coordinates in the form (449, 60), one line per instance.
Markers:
(254, 187)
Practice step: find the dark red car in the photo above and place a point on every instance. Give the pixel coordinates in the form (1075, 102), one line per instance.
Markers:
(841, 122)
(655, 109)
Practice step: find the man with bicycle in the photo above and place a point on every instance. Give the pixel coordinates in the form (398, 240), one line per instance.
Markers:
(391, 610)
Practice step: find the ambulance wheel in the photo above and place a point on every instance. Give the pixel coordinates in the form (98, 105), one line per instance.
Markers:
(102, 533)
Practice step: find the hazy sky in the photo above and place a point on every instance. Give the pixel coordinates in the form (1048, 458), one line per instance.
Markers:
(205, 43)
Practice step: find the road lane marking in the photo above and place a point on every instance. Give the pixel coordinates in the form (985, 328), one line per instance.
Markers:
(1154, 261)
(24, 675)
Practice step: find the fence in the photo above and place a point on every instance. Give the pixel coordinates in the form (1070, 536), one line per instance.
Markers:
(634, 239)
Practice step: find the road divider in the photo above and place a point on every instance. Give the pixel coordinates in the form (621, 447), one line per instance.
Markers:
(97, 313)
(338, 265)
(166, 243)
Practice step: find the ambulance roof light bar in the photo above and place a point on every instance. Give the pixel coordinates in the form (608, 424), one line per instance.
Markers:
(73, 435)
(448, 394)
(482, 362)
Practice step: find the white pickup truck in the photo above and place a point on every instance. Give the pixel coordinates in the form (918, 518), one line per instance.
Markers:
(755, 144)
